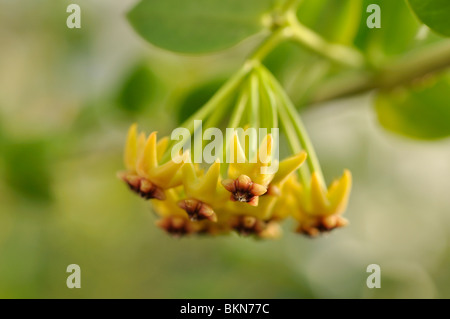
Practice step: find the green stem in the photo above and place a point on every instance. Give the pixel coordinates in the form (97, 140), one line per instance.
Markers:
(238, 112)
(221, 95)
(218, 99)
(253, 113)
(268, 45)
(269, 113)
(286, 123)
(405, 70)
(215, 118)
(312, 160)
(273, 109)
(294, 144)
(291, 29)
(235, 121)
(254, 102)
(301, 133)
(289, 129)
(315, 43)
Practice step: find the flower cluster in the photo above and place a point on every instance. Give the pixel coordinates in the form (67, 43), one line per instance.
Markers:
(240, 194)
(192, 201)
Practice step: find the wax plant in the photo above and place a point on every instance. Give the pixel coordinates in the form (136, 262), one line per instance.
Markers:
(240, 191)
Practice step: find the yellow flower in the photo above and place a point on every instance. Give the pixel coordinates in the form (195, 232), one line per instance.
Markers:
(191, 201)
(249, 180)
(320, 210)
(173, 219)
(287, 199)
(248, 184)
(253, 192)
(201, 204)
(144, 174)
(203, 194)
(240, 165)
(176, 220)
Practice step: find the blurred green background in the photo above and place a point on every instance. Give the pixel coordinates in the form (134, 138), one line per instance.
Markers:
(67, 98)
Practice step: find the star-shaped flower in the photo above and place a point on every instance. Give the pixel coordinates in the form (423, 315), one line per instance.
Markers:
(144, 174)
(318, 209)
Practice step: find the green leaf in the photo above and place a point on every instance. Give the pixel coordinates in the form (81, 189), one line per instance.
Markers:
(420, 112)
(397, 34)
(336, 21)
(434, 13)
(198, 26)
(138, 90)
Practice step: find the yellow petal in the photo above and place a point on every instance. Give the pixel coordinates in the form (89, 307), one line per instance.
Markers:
(264, 154)
(288, 166)
(140, 145)
(300, 199)
(168, 207)
(261, 161)
(178, 177)
(131, 148)
(319, 200)
(267, 207)
(242, 139)
(339, 193)
(208, 183)
(161, 147)
(188, 174)
(177, 180)
(163, 175)
(148, 159)
(237, 159)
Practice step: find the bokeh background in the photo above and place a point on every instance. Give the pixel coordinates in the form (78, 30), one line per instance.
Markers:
(67, 98)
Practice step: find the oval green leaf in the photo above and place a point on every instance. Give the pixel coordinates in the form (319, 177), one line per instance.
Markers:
(434, 13)
(397, 34)
(421, 112)
(198, 26)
